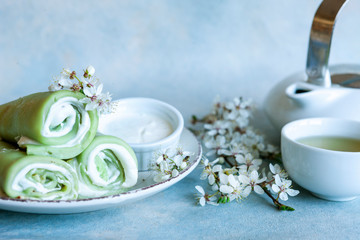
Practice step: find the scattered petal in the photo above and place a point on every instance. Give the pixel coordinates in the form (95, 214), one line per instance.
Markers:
(283, 196)
(202, 201)
(292, 192)
(211, 179)
(247, 191)
(258, 189)
(226, 189)
(200, 189)
(223, 178)
(217, 168)
(275, 188)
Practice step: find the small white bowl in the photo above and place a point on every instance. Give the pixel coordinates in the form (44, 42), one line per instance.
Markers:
(328, 174)
(144, 151)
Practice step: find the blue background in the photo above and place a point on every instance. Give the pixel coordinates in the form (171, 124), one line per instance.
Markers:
(185, 53)
(182, 52)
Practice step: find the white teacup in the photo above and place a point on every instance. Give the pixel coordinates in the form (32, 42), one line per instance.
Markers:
(328, 174)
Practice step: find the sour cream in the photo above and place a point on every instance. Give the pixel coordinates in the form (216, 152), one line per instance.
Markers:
(148, 125)
(139, 127)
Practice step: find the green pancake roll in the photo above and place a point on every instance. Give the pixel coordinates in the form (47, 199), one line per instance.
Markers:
(35, 177)
(49, 123)
(107, 166)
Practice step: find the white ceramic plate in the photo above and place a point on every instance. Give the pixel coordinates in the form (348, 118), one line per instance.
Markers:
(144, 188)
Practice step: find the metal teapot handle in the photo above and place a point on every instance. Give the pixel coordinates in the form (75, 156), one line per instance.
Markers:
(320, 41)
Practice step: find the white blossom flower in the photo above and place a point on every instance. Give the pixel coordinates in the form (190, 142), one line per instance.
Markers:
(164, 172)
(160, 177)
(87, 84)
(204, 198)
(271, 149)
(216, 144)
(251, 182)
(217, 128)
(89, 104)
(236, 138)
(234, 189)
(282, 187)
(207, 168)
(168, 163)
(238, 110)
(66, 83)
(242, 122)
(66, 73)
(253, 141)
(179, 161)
(181, 152)
(164, 166)
(225, 186)
(234, 150)
(105, 104)
(101, 102)
(165, 154)
(277, 170)
(60, 83)
(92, 91)
(248, 162)
(55, 86)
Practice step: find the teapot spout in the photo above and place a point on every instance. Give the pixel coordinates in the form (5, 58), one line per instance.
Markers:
(306, 94)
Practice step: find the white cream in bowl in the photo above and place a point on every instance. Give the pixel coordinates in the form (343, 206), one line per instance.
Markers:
(140, 127)
(147, 125)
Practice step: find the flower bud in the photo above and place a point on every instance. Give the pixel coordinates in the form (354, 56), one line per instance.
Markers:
(72, 75)
(90, 70)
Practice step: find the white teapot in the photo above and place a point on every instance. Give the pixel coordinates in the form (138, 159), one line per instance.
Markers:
(321, 91)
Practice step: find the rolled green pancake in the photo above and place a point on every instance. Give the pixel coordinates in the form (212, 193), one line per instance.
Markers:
(108, 166)
(35, 177)
(49, 123)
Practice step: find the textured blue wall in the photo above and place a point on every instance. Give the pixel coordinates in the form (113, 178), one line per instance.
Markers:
(183, 52)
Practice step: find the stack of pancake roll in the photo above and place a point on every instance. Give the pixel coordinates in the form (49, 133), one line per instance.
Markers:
(50, 149)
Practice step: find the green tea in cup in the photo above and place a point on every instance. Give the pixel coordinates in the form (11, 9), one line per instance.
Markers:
(335, 143)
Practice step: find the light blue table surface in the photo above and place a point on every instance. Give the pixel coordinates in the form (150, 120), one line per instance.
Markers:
(184, 53)
(172, 214)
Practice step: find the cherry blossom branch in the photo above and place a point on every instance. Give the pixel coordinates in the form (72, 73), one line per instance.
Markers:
(276, 202)
(227, 134)
(86, 84)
